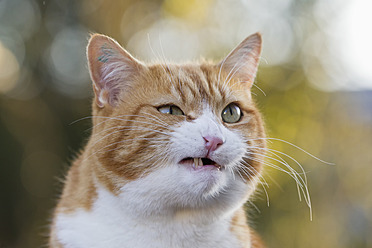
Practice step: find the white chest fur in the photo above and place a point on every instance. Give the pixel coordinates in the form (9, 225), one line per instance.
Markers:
(93, 230)
(114, 221)
(103, 227)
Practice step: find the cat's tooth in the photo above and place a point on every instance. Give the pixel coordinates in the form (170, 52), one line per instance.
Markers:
(196, 163)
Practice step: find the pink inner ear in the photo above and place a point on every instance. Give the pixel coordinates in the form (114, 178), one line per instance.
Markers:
(242, 62)
(114, 76)
(111, 69)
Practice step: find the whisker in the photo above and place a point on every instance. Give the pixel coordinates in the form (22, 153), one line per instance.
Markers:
(291, 173)
(254, 205)
(300, 187)
(294, 160)
(129, 120)
(295, 146)
(300, 182)
(81, 119)
(263, 92)
(157, 121)
(154, 140)
(250, 168)
(250, 174)
(122, 128)
(254, 84)
(159, 156)
(116, 127)
(156, 118)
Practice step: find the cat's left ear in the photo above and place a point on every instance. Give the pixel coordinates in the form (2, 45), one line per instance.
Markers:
(242, 62)
(111, 69)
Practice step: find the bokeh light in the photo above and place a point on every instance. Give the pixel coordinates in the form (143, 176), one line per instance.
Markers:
(354, 41)
(67, 62)
(9, 70)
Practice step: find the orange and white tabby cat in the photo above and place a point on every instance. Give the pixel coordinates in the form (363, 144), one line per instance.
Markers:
(172, 157)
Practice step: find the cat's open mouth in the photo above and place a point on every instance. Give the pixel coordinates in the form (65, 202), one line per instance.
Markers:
(199, 162)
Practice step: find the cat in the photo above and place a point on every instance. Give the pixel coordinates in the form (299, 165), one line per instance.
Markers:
(173, 155)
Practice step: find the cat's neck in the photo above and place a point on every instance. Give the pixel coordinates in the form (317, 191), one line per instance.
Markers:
(116, 220)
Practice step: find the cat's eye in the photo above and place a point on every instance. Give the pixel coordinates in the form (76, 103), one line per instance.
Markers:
(231, 114)
(170, 109)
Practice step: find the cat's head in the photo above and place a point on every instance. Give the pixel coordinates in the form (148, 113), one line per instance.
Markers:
(182, 136)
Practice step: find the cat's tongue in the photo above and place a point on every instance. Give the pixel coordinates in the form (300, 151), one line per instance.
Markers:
(198, 163)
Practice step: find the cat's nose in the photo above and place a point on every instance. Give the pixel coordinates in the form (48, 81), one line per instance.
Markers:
(212, 143)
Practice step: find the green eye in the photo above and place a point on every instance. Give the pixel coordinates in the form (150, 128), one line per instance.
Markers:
(231, 114)
(170, 109)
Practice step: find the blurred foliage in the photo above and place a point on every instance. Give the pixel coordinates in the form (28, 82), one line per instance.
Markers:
(45, 87)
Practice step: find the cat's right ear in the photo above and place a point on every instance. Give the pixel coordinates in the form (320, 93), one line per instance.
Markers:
(242, 62)
(111, 69)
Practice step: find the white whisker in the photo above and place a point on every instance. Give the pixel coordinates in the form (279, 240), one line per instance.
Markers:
(301, 182)
(299, 148)
(153, 140)
(249, 174)
(122, 128)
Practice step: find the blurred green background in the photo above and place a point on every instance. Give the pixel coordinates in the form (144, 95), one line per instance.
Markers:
(315, 71)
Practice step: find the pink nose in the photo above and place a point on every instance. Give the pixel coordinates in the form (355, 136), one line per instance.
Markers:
(212, 143)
